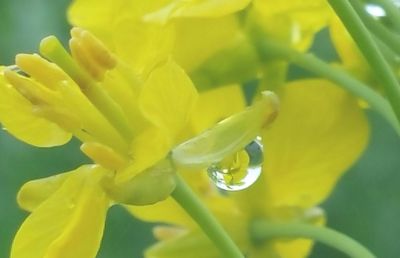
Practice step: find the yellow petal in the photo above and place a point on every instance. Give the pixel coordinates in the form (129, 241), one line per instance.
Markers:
(199, 39)
(18, 117)
(204, 8)
(168, 99)
(167, 211)
(350, 55)
(35, 192)
(143, 45)
(294, 248)
(105, 18)
(99, 17)
(69, 223)
(150, 186)
(151, 146)
(195, 244)
(319, 134)
(295, 22)
(216, 105)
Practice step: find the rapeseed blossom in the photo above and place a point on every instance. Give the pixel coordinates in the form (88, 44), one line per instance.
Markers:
(95, 106)
(92, 100)
(124, 94)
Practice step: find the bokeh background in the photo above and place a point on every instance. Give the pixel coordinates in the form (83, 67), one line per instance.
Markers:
(365, 204)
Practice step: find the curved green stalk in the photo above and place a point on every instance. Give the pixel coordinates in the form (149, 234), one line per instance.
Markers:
(309, 62)
(370, 50)
(264, 230)
(188, 200)
(385, 34)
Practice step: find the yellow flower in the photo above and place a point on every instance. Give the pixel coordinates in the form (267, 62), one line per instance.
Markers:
(204, 37)
(127, 125)
(98, 99)
(319, 133)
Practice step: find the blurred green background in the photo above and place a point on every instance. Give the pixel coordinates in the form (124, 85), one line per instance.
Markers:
(364, 205)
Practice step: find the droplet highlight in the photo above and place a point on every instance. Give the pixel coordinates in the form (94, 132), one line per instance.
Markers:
(240, 170)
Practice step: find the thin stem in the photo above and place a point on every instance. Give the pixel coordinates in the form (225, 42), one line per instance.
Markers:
(188, 200)
(388, 53)
(264, 230)
(385, 34)
(370, 50)
(309, 62)
(392, 12)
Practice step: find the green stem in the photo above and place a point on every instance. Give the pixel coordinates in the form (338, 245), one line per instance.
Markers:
(392, 12)
(388, 53)
(188, 200)
(370, 50)
(385, 34)
(264, 230)
(309, 62)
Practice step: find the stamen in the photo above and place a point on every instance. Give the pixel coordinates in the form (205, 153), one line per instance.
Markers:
(97, 50)
(52, 49)
(18, 70)
(65, 119)
(41, 70)
(33, 92)
(84, 59)
(104, 155)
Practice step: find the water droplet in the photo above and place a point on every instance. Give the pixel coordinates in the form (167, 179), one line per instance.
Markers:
(240, 170)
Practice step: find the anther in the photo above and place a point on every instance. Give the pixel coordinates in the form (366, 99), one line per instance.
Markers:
(97, 50)
(33, 92)
(41, 70)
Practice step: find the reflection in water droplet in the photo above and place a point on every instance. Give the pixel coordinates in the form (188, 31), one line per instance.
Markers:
(240, 170)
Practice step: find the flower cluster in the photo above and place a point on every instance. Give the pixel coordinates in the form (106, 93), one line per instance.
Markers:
(159, 90)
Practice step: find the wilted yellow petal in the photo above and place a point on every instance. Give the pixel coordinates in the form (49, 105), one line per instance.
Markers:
(69, 223)
(319, 134)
